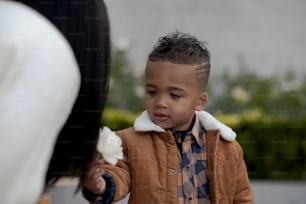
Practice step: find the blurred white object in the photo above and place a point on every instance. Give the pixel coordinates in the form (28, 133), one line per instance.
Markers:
(39, 82)
(109, 145)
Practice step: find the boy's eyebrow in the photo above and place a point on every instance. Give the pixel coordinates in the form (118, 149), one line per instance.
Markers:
(175, 88)
(151, 85)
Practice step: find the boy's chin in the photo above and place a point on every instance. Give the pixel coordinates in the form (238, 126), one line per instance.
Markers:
(165, 127)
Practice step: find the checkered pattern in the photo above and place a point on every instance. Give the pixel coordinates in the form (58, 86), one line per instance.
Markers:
(193, 185)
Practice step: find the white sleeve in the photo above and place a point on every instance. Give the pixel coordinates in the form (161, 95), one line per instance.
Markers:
(39, 82)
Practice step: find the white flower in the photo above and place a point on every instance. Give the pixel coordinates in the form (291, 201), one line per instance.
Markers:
(109, 145)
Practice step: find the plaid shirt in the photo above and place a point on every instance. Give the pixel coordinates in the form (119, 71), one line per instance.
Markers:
(193, 185)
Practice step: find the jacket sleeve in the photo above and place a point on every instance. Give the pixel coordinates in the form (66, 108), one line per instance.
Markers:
(120, 174)
(243, 192)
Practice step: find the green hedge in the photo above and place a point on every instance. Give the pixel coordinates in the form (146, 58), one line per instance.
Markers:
(274, 148)
(117, 120)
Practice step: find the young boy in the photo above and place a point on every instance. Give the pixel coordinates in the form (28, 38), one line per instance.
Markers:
(171, 155)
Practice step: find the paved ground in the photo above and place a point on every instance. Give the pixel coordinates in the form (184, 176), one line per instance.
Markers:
(266, 192)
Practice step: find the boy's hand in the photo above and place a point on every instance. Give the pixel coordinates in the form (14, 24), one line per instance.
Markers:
(93, 180)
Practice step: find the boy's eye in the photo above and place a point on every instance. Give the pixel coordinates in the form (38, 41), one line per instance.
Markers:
(151, 92)
(174, 96)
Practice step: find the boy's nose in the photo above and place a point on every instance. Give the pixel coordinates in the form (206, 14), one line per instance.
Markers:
(160, 102)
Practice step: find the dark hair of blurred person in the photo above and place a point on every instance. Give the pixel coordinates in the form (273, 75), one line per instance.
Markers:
(85, 25)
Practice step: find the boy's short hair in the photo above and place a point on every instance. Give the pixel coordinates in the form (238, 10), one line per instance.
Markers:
(183, 48)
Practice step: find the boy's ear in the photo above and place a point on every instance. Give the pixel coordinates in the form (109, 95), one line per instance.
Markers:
(202, 101)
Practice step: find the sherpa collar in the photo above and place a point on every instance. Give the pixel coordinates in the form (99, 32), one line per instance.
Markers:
(144, 123)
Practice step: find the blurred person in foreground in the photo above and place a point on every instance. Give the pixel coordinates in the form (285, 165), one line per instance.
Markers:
(54, 67)
(176, 152)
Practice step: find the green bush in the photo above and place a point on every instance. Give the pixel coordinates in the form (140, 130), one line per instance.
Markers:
(117, 119)
(274, 151)
(273, 148)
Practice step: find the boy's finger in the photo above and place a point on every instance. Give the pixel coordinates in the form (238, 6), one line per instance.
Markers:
(100, 184)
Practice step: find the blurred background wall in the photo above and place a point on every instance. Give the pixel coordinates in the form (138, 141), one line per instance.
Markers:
(270, 35)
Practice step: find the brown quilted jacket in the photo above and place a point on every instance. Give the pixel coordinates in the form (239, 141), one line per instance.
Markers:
(148, 170)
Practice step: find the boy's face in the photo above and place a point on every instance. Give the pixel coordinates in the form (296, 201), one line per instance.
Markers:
(172, 94)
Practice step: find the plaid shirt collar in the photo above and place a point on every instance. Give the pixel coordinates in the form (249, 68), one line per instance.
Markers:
(194, 132)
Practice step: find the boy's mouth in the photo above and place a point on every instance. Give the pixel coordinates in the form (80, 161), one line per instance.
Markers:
(160, 117)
